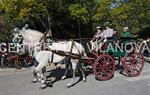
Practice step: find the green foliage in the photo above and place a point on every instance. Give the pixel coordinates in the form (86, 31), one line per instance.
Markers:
(64, 16)
(134, 14)
(20, 10)
(79, 12)
(102, 12)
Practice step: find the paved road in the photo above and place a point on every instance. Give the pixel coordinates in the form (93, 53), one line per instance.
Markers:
(18, 83)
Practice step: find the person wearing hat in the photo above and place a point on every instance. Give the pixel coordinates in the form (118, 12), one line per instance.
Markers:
(98, 33)
(125, 32)
(126, 37)
(97, 37)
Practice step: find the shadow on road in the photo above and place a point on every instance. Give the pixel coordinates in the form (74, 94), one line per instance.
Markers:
(59, 72)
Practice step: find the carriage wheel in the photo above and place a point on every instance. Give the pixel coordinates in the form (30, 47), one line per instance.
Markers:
(104, 67)
(133, 64)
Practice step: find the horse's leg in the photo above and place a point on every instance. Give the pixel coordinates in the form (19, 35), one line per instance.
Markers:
(41, 77)
(82, 72)
(74, 66)
(67, 63)
(44, 70)
(37, 75)
(35, 64)
(43, 81)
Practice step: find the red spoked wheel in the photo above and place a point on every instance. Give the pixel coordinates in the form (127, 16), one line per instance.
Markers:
(104, 67)
(133, 64)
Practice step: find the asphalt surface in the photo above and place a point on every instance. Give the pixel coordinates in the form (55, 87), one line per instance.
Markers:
(18, 82)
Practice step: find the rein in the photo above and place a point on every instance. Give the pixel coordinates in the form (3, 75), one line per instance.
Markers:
(67, 54)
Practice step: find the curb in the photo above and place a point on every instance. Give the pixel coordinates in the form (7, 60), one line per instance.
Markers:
(13, 70)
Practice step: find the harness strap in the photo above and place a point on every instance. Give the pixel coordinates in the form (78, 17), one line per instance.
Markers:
(52, 57)
(67, 54)
(73, 44)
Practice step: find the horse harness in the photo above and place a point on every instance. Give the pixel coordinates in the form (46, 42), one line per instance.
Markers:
(67, 54)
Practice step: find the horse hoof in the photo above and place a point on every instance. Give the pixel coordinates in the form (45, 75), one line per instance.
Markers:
(34, 81)
(84, 80)
(68, 85)
(43, 86)
(50, 85)
(63, 77)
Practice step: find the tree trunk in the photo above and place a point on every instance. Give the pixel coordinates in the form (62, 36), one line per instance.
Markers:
(49, 25)
(79, 30)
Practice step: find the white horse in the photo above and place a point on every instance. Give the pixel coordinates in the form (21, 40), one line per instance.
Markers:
(32, 38)
(44, 57)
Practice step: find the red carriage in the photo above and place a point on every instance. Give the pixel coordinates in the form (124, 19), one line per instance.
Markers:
(103, 64)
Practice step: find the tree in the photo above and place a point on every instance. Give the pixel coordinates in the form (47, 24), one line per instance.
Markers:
(19, 12)
(134, 14)
(64, 16)
(80, 14)
(102, 13)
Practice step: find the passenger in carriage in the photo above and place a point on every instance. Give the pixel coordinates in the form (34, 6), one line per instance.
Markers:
(97, 37)
(126, 37)
(98, 34)
(104, 33)
(115, 33)
(125, 32)
(108, 32)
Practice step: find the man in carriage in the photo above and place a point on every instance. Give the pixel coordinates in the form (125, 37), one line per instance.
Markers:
(101, 36)
(125, 32)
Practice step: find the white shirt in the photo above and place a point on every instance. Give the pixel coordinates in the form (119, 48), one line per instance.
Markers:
(98, 34)
(108, 32)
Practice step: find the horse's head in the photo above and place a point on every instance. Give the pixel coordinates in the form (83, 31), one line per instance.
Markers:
(17, 38)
